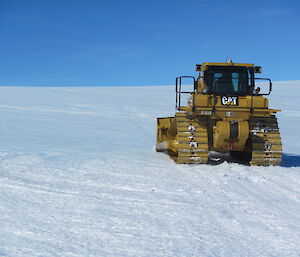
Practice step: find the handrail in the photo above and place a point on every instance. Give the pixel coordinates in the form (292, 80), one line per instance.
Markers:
(179, 92)
(270, 85)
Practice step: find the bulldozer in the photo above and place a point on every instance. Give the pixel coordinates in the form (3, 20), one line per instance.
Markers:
(227, 112)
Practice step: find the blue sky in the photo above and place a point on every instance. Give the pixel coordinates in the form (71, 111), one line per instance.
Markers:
(138, 42)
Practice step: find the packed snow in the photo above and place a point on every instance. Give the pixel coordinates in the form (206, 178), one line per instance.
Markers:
(79, 177)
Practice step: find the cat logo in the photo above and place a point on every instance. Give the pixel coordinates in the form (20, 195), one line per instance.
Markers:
(229, 100)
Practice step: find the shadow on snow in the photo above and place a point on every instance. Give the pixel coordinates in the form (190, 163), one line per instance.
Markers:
(290, 160)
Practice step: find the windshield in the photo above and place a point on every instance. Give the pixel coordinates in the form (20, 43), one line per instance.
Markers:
(229, 80)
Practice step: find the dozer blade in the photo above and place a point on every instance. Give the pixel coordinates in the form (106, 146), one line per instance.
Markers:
(162, 137)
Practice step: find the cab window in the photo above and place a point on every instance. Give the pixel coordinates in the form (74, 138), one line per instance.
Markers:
(228, 80)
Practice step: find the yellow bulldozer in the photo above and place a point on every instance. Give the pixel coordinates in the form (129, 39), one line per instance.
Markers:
(227, 113)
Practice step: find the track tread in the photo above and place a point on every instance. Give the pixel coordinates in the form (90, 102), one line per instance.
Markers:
(266, 146)
(192, 141)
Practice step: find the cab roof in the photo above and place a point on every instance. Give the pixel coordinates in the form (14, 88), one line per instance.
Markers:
(205, 64)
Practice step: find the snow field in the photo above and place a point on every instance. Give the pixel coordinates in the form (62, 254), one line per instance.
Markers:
(79, 177)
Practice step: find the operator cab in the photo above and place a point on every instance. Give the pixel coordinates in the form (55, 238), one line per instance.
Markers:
(229, 80)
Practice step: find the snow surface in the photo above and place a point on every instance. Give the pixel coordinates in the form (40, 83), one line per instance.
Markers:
(79, 177)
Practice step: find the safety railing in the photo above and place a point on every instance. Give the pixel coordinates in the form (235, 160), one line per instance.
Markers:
(179, 87)
(261, 84)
